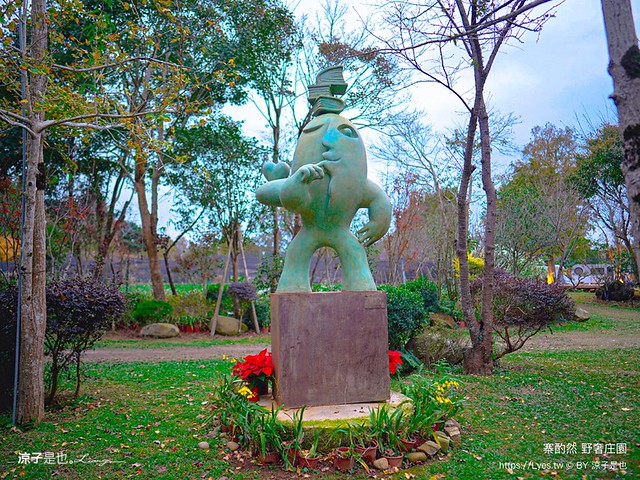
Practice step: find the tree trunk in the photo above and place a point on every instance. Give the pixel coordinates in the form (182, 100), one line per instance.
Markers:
(174, 292)
(624, 68)
(463, 230)
(30, 407)
(149, 225)
(480, 361)
(33, 317)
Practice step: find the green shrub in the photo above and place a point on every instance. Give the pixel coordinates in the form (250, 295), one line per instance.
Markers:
(263, 312)
(192, 304)
(326, 287)
(427, 290)
(78, 312)
(226, 305)
(191, 309)
(151, 311)
(405, 314)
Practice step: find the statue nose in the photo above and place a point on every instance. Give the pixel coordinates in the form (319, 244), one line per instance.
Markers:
(329, 138)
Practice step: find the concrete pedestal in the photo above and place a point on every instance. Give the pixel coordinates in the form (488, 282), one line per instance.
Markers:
(330, 348)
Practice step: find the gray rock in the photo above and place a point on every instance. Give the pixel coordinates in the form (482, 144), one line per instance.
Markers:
(416, 457)
(454, 435)
(381, 464)
(233, 446)
(228, 326)
(444, 319)
(203, 445)
(582, 315)
(443, 440)
(439, 342)
(160, 330)
(429, 447)
(452, 422)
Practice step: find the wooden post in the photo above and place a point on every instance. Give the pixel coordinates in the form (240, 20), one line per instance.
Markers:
(214, 320)
(246, 276)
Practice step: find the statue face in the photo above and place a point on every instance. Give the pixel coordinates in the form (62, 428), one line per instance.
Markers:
(331, 139)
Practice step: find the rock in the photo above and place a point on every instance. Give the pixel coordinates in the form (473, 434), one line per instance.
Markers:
(454, 435)
(429, 447)
(438, 342)
(416, 457)
(381, 464)
(233, 446)
(452, 422)
(228, 326)
(443, 319)
(582, 315)
(160, 330)
(443, 440)
(203, 445)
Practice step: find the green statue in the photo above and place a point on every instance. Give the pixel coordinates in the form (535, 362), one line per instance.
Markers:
(327, 186)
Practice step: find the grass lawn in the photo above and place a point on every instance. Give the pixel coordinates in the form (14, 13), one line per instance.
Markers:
(144, 421)
(184, 340)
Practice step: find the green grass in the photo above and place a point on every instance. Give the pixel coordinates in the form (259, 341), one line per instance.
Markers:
(147, 289)
(147, 343)
(149, 416)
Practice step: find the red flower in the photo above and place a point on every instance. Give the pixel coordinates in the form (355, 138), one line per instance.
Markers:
(395, 359)
(253, 367)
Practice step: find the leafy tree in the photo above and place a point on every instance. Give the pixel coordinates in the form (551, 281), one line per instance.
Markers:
(224, 174)
(51, 70)
(540, 213)
(599, 179)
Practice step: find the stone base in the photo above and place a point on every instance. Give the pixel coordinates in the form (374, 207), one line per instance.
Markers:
(324, 420)
(330, 348)
(333, 416)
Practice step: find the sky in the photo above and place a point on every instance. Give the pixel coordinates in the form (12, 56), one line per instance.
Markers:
(558, 76)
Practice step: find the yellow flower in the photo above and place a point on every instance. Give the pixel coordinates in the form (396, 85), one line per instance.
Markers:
(245, 392)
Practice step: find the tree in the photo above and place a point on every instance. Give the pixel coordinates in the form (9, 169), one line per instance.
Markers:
(464, 34)
(269, 41)
(49, 75)
(539, 212)
(374, 80)
(523, 307)
(599, 179)
(225, 173)
(624, 68)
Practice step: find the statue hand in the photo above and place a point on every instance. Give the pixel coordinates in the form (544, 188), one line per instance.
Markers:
(275, 171)
(310, 172)
(371, 233)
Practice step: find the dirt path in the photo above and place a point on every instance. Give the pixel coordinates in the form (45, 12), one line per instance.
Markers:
(546, 341)
(625, 334)
(581, 341)
(169, 353)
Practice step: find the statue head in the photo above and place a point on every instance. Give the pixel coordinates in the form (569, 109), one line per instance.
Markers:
(333, 140)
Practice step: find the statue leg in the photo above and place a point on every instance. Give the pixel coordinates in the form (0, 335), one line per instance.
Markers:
(356, 274)
(297, 260)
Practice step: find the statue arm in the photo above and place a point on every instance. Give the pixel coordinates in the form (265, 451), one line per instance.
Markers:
(379, 207)
(295, 195)
(269, 193)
